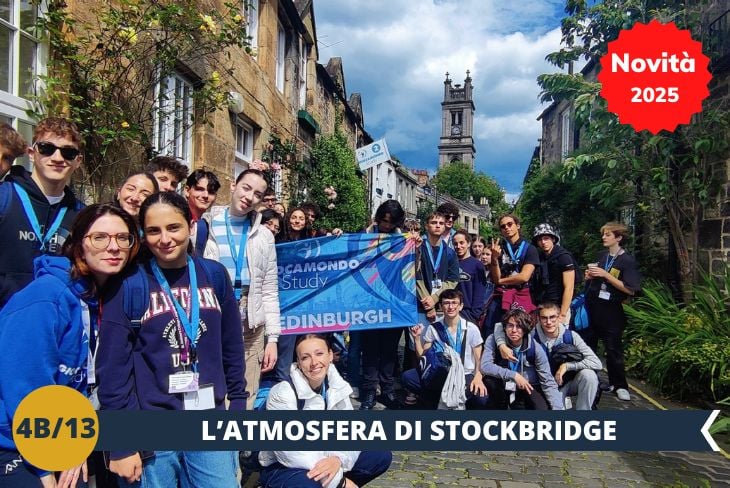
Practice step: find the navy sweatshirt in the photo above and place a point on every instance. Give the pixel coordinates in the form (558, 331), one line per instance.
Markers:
(473, 284)
(133, 367)
(20, 246)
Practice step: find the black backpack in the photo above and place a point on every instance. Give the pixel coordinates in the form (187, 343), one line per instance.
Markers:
(434, 365)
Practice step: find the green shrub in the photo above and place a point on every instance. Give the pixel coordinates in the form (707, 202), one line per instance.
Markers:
(684, 349)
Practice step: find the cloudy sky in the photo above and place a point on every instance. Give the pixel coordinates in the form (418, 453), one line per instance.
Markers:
(396, 52)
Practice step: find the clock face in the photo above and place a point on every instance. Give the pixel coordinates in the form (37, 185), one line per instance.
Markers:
(456, 130)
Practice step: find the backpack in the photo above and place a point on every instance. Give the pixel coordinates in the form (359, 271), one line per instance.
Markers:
(137, 289)
(434, 365)
(201, 236)
(564, 352)
(579, 313)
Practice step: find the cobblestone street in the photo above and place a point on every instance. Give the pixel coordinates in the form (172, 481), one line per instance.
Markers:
(554, 469)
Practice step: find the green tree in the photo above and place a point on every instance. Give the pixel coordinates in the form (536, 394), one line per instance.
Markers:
(549, 197)
(461, 182)
(670, 172)
(106, 63)
(333, 162)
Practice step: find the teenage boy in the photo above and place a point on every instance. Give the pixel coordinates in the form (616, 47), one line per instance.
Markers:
(246, 248)
(201, 190)
(466, 341)
(513, 262)
(472, 278)
(556, 273)
(168, 171)
(574, 378)
(12, 145)
(270, 199)
(37, 209)
(439, 268)
(526, 381)
(451, 214)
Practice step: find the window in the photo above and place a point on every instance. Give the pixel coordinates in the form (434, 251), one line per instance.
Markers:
(244, 142)
(280, 55)
(565, 128)
(251, 11)
(456, 117)
(21, 56)
(174, 117)
(303, 51)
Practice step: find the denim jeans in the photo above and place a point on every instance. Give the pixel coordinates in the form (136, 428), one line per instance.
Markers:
(188, 469)
(369, 465)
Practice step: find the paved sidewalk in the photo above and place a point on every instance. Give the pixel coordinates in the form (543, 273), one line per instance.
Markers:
(559, 469)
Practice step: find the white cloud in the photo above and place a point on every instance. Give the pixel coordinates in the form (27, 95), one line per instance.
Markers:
(395, 52)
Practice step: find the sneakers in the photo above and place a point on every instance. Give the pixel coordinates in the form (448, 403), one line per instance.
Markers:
(411, 399)
(368, 400)
(389, 400)
(623, 394)
(355, 393)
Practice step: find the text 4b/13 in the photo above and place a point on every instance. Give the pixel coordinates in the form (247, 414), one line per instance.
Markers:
(43, 428)
(655, 95)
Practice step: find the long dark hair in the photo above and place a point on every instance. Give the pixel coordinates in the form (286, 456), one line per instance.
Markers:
(73, 247)
(288, 234)
(172, 199)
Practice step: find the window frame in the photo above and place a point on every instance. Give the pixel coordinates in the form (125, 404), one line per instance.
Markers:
(280, 74)
(181, 142)
(247, 156)
(303, 57)
(251, 14)
(565, 134)
(12, 104)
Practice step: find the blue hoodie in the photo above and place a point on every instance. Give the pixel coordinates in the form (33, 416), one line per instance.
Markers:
(42, 338)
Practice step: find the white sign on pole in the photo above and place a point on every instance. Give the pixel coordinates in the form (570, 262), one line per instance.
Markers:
(372, 154)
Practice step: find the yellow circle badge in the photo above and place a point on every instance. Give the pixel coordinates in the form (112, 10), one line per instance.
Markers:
(55, 428)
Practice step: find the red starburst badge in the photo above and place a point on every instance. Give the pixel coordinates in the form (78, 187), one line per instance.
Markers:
(654, 76)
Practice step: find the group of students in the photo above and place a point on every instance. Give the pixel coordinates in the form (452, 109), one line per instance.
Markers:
(113, 300)
(166, 302)
(488, 307)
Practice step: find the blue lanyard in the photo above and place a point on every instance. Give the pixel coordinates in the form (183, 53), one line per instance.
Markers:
(324, 393)
(513, 365)
(190, 325)
(238, 256)
(33, 219)
(435, 264)
(609, 264)
(515, 257)
(456, 344)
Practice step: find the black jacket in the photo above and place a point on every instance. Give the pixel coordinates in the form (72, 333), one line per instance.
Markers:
(18, 243)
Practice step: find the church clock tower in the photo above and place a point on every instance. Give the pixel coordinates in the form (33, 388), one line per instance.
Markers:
(457, 123)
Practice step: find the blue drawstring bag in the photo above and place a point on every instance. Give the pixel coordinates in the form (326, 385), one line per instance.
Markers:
(578, 313)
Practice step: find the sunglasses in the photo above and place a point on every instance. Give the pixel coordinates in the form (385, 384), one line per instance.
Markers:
(450, 216)
(506, 225)
(49, 149)
(269, 199)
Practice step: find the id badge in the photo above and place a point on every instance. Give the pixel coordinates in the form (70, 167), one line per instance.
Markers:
(604, 295)
(185, 381)
(510, 385)
(202, 399)
(436, 285)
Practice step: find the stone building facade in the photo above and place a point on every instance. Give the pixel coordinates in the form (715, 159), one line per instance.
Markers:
(280, 90)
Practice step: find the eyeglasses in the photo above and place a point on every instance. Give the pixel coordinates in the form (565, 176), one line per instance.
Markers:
(49, 149)
(512, 326)
(506, 225)
(548, 318)
(101, 240)
(270, 199)
(450, 303)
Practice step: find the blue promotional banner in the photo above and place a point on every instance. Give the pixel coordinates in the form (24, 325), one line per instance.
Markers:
(351, 282)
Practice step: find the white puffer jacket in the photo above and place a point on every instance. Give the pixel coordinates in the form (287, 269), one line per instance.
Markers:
(263, 294)
(282, 397)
